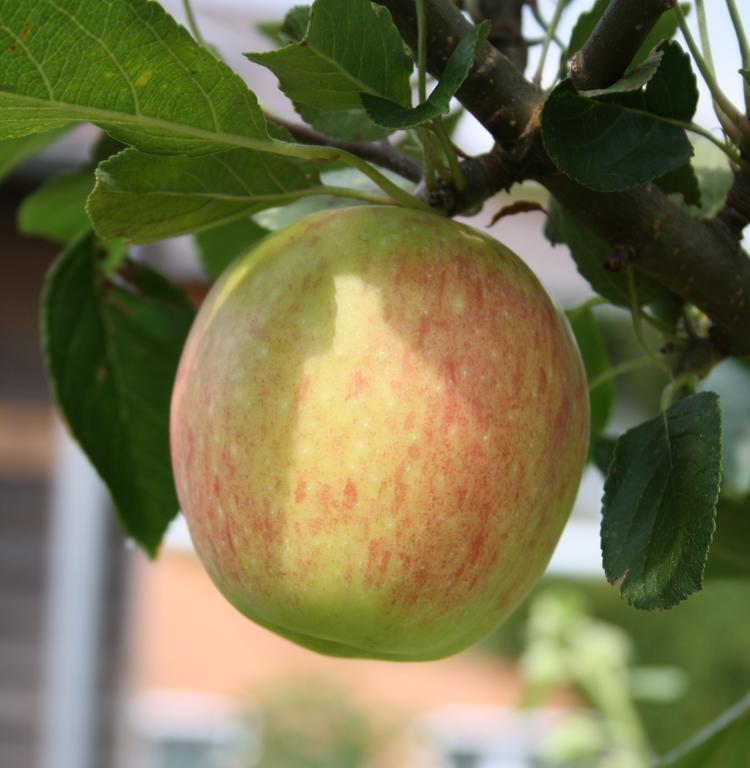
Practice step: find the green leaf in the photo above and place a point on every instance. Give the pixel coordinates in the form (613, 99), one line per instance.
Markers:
(603, 452)
(659, 503)
(219, 247)
(729, 557)
(725, 743)
(127, 67)
(682, 181)
(673, 91)
(57, 210)
(606, 146)
(352, 46)
(296, 23)
(111, 348)
(141, 198)
(595, 361)
(344, 124)
(14, 151)
(392, 115)
(590, 253)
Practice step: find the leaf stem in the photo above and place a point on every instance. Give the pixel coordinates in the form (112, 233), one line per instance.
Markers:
(447, 145)
(700, 10)
(628, 366)
(743, 44)
(635, 311)
(192, 23)
(549, 34)
(544, 24)
(724, 108)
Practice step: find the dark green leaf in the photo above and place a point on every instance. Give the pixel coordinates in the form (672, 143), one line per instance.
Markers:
(606, 146)
(725, 743)
(595, 361)
(673, 91)
(141, 198)
(391, 115)
(351, 47)
(296, 22)
(590, 253)
(659, 503)
(14, 151)
(220, 246)
(682, 181)
(57, 210)
(111, 348)
(729, 557)
(603, 452)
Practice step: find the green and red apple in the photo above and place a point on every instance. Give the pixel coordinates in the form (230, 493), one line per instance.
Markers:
(378, 429)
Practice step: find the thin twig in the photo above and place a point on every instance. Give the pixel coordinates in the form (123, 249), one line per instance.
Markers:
(549, 34)
(742, 41)
(700, 10)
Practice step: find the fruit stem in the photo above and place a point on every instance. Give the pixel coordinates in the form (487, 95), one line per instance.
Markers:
(548, 35)
(445, 140)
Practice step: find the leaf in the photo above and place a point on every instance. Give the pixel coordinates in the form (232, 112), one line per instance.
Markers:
(13, 152)
(111, 348)
(729, 557)
(633, 80)
(127, 67)
(590, 253)
(603, 452)
(296, 23)
(673, 91)
(682, 181)
(344, 124)
(659, 503)
(328, 69)
(606, 146)
(595, 362)
(57, 210)
(725, 743)
(392, 115)
(218, 247)
(141, 198)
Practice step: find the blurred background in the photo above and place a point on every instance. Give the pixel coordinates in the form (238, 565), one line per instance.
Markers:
(108, 660)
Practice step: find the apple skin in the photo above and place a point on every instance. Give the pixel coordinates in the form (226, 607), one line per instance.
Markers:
(378, 429)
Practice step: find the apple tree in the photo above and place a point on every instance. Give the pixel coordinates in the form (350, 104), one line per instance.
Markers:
(186, 148)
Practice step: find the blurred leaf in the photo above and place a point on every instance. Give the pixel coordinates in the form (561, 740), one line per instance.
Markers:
(296, 22)
(391, 115)
(659, 503)
(603, 452)
(328, 69)
(731, 381)
(682, 181)
(14, 151)
(111, 347)
(725, 743)
(715, 183)
(219, 247)
(595, 361)
(729, 556)
(590, 253)
(141, 198)
(57, 210)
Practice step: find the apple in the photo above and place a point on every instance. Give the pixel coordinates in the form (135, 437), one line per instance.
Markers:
(378, 428)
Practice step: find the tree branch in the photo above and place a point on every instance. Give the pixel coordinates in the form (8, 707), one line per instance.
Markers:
(616, 39)
(505, 32)
(380, 153)
(698, 260)
(735, 213)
